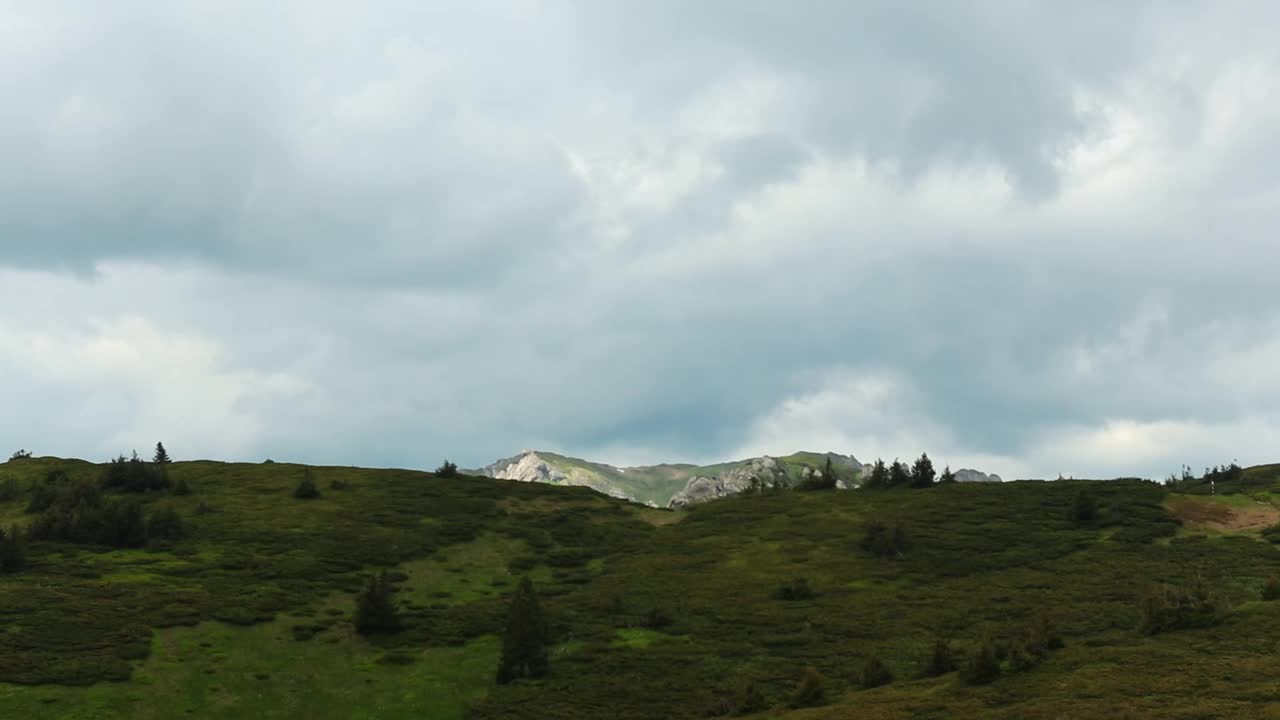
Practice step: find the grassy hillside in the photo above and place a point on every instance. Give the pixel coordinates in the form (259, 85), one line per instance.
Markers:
(653, 614)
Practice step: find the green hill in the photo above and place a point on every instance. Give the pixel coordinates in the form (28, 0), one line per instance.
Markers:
(651, 613)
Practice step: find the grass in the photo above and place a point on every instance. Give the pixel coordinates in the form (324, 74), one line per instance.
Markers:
(653, 614)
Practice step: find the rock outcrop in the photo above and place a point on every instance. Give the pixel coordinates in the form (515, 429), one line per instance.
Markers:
(971, 475)
(531, 467)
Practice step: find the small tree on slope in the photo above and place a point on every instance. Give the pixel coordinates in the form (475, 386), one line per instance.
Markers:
(524, 652)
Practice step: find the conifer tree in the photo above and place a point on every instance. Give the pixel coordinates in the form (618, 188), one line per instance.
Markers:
(947, 476)
(828, 474)
(524, 652)
(162, 456)
(899, 475)
(306, 489)
(376, 609)
(874, 674)
(879, 479)
(922, 473)
(941, 661)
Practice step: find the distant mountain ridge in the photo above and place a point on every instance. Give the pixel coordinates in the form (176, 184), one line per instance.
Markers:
(678, 485)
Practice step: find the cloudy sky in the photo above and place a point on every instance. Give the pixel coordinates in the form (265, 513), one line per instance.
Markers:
(1029, 238)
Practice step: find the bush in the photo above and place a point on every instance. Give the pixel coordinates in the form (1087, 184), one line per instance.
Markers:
(810, 691)
(751, 701)
(875, 674)
(165, 524)
(1271, 591)
(883, 540)
(13, 550)
(375, 608)
(181, 487)
(1169, 607)
(20, 455)
(797, 589)
(306, 489)
(524, 651)
(984, 665)
(657, 619)
(941, 660)
(1084, 509)
(132, 474)
(447, 470)
(9, 490)
(337, 484)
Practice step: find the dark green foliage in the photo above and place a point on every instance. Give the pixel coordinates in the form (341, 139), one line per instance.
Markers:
(797, 589)
(132, 474)
(922, 474)
(9, 490)
(1271, 590)
(751, 701)
(376, 609)
(884, 540)
(899, 474)
(1166, 607)
(165, 524)
(338, 484)
(1033, 644)
(161, 456)
(658, 619)
(181, 487)
(1272, 534)
(811, 691)
(22, 454)
(13, 550)
(941, 659)
(79, 514)
(874, 674)
(447, 470)
(1084, 508)
(948, 477)
(306, 489)
(879, 478)
(524, 651)
(984, 664)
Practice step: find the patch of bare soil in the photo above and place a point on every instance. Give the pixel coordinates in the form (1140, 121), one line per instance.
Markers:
(1211, 515)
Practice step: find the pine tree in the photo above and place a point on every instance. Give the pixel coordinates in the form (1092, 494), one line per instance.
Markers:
(879, 479)
(947, 476)
(922, 474)
(162, 456)
(306, 489)
(376, 609)
(524, 652)
(13, 550)
(828, 475)
(941, 661)
(899, 475)
(447, 470)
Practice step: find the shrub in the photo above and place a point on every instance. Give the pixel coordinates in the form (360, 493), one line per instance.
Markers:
(22, 454)
(1271, 591)
(132, 474)
(810, 691)
(657, 619)
(306, 489)
(941, 660)
(181, 487)
(751, 701)
(447, 470)
(375, 608)
(524, 645)
(883, 540)
(13, 550)
(165, 524)
(9, 490)
(1168, 607)
(797, 589)
(337, 484)
(875, 674)
(1272, 533)
(1084, 509)
(984, 665)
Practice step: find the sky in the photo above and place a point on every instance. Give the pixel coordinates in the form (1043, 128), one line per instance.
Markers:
(1031, 238)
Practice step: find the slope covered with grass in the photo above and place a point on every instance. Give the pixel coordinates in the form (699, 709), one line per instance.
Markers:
(653, 614)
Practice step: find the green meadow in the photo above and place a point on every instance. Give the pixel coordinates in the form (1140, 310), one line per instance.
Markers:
(651, 614)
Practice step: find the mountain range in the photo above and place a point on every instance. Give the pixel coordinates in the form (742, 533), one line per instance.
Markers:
(673, 485)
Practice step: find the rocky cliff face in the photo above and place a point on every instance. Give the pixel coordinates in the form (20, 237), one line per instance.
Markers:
(529, 466)
(677, 486)
(971, 475)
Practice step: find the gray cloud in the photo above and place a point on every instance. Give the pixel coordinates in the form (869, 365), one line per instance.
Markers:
(1032, 238)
